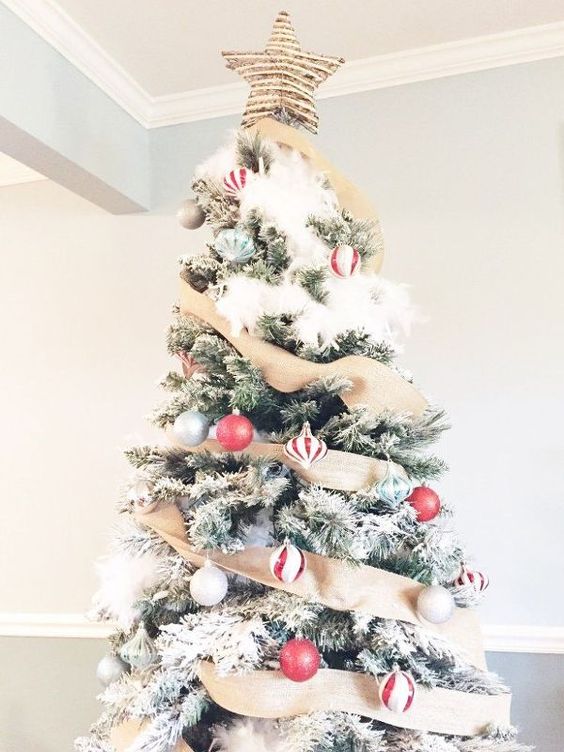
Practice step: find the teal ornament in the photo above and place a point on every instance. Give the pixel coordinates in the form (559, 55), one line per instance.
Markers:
(395, 486)
(234, 245)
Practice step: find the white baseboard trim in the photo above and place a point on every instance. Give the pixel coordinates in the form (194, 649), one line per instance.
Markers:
(498, 638)
(60, 30)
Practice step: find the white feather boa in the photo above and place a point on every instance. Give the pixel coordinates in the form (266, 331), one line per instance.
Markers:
(287, 196)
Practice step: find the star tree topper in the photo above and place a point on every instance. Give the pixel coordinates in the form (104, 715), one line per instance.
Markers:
(282, 77)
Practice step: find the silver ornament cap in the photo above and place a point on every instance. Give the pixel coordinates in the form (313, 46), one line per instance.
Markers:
(191, 428)
(208, 585)
(435, 604)
(190, 214)
(110, 669)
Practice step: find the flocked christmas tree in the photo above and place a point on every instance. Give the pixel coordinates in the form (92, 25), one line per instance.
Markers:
(284, 576)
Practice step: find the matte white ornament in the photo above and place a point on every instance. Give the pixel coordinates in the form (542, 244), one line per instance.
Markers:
(435, 604)
(191, 428)
(110, 669)
(190, 214)
(208, 585)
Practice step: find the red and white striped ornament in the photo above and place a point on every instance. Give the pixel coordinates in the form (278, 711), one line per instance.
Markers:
(344, 261)
(235, 181)
(190, 365)
(471, 578)
(397, 690)
(306, 448)
(287, 562)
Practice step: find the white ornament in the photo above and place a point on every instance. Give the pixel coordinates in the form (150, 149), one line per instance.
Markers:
(190, 214)
(191, 428)
(287, 562)
(472, 578)
(435, 604)
(306, 448)
(208, 585)
(397, 690)
(344, 261)
(110, 669)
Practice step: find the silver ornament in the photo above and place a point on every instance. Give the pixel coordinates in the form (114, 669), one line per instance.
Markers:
(190, 214)
(208, 585)
(435, 604)
(191, 428)
(235, 245)
(110, 669)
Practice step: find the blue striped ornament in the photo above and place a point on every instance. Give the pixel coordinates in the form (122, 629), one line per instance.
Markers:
(234, 245)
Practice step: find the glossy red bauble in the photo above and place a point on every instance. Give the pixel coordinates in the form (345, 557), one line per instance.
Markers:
(426, 503)
(299, 660)
(234, 432)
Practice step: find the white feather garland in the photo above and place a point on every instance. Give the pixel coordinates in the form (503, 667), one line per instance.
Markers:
(287, 196)
(249, 735)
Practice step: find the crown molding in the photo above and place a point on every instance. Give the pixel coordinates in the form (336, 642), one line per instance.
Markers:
(438, 61)
(499, 638)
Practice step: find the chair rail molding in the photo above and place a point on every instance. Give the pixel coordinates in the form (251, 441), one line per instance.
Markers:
(57, 28)
(499, 638)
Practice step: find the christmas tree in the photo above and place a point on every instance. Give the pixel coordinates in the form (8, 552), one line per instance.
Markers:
(285, 578)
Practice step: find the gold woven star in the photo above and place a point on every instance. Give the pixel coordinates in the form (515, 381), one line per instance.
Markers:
(282, 78)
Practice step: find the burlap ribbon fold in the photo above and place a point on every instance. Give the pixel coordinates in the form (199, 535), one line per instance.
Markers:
(373, 384)
(331, 582)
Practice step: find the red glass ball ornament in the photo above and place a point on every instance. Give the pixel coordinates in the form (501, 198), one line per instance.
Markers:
(299, 659)
(426, 503)
(234, 432)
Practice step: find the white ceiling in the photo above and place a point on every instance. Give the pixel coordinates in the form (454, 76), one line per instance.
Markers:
(172, 46)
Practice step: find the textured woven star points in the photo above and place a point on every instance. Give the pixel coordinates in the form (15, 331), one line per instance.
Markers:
(282, 77)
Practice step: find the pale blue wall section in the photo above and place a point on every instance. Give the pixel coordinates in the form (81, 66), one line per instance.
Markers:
(46, 98)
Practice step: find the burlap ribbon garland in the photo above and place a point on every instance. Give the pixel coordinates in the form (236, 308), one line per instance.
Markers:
(268, 694)
(331, 582)
(373, 384)
(340, 471)
(123, 736)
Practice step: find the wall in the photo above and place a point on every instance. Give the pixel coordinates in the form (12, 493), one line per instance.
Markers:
(467, 175)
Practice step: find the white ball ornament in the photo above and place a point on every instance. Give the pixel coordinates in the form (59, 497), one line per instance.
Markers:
(190, 214)
(208, 585)
(110, 669)
(435, 604)
(191, 428)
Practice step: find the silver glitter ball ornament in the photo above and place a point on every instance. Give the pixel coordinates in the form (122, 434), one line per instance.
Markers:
(208, 585)
(110, 669)
(435, 604)
(191, 428)
(190, 214)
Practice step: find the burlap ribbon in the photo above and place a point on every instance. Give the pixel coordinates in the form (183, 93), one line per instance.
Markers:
(373, 383)
(340, 471)
(331, 582)
(123, 736)
(268, 694)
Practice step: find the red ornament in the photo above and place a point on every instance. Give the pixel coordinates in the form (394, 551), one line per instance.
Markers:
(344, 261)
(468, 577)
(426, 503)
(397, 691)
(299, 659)
(234, 432)
(235, 181)
(287, 562)
(306, 448)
